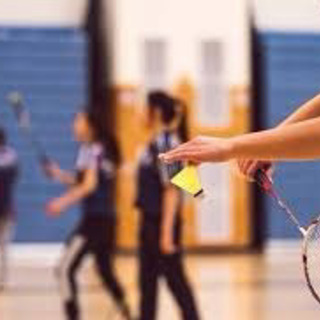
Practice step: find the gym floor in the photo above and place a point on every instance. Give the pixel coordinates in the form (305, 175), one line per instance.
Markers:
(228, 287)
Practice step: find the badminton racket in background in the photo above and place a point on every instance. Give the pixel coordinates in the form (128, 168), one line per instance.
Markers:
(22, 115)
(310, 234)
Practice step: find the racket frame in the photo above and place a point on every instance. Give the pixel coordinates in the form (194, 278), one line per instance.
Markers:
(305, 259)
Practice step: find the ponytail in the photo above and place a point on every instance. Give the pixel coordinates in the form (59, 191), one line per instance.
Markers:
(103, 135)
(111, 145)
(3, 138)
(171, 109)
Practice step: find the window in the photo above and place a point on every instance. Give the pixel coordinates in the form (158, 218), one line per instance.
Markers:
(154, 64)
(213, 109)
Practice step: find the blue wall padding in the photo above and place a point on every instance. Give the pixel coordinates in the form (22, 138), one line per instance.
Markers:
(291, 76)
(48, 66)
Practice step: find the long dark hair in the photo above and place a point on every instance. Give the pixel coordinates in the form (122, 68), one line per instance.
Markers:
(103, 135)
(3, 137)
(170, 108)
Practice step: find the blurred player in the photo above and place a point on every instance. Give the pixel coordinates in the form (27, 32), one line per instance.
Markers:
(94, 187)
(8, 175)
(160, 204)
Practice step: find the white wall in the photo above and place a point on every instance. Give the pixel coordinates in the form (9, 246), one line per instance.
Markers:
(183, 24)
(288, 15)
(271, 14)
(42, 12)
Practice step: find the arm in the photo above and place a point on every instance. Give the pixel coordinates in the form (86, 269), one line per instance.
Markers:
(297, 141)
(66, 177)
(54, 171)
(309, 110)
(170, 204)
(74, 194)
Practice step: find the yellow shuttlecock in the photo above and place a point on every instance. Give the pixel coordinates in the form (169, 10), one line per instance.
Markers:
(188, 180)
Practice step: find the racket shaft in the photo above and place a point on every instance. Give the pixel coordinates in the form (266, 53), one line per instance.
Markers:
(23, 119)
(289, 212)
(267, 186)
(36, 146)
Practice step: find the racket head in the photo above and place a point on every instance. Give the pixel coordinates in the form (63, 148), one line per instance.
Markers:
(311, 258)
(16, 102)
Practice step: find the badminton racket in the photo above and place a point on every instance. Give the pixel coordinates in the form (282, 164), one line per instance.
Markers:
(310, 235)
(22, 115)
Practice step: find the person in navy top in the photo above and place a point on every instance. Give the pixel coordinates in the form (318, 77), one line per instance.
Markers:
(8, 177)
(94, 187)
(160, 204)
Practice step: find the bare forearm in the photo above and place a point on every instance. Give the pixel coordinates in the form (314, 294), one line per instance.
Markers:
(66, 178)
(170, 204)
(308, 111)
(74, 195)
(297, 141)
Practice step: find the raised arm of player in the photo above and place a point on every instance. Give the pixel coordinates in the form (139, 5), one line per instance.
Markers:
(309, 110)
(295, 141)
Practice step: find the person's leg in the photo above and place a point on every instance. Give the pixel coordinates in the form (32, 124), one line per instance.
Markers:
(105, 268)
(5, 234)
(148, 285)
(174, 273)
(149, 268)
(102, 243)
(75, 250)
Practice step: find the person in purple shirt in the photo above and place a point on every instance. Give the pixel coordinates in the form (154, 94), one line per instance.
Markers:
(93, 186)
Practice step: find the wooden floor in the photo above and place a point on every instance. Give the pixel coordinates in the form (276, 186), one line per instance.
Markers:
(242, 287)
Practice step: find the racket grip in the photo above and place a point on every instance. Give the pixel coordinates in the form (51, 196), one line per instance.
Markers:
(45, 163)
(263, 180)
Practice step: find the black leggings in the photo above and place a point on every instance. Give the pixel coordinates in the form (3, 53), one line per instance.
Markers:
(153, 265)
(93, 236)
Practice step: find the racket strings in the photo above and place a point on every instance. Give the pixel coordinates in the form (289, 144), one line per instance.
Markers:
(312, 259)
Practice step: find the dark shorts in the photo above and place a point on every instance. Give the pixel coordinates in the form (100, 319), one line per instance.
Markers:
(150, 232)
(98, 231)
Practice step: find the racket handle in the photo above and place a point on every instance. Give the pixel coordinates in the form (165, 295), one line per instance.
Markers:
(45, 163)
(263, 180)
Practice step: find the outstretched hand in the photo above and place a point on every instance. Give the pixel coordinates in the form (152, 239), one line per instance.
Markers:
(200, 149)
(55, 207)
